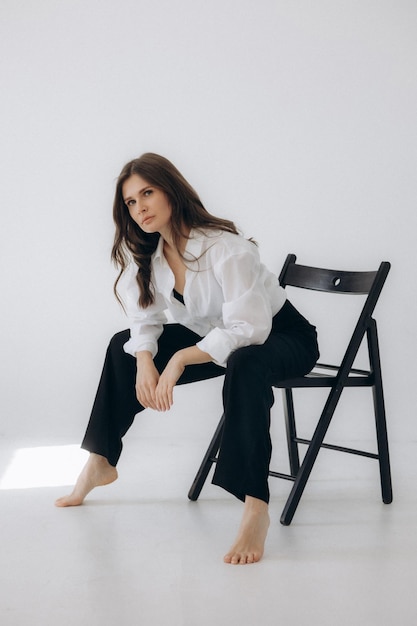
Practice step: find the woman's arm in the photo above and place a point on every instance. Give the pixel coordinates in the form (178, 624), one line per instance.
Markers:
(147, 377)
(164, 392)
(251, 296)
(146, 325)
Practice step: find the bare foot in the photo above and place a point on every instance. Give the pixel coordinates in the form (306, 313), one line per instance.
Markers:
(250, 541)
(96, 472)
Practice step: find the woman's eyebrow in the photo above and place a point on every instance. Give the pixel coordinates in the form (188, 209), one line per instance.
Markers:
(141, 191)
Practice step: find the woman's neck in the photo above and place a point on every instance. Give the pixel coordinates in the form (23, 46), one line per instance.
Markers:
(171, 246)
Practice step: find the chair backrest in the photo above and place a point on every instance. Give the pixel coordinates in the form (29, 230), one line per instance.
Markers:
(330, 281)
(335, 281)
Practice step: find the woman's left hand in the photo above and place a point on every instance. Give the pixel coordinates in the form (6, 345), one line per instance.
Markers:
(164, 393)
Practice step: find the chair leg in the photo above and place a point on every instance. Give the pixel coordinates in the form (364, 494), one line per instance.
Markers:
(290, 427)
(208, 460)
(310, 456)
(380, 418)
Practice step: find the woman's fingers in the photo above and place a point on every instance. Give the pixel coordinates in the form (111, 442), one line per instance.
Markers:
(159, 397)
(146, 396)
(146, 382)
(164, 396)
(167, 381)
(156, 391)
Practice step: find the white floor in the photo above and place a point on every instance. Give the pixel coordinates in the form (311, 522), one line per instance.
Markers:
(139, 553)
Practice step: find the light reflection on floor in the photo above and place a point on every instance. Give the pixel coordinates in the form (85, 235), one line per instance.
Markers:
(44, 466)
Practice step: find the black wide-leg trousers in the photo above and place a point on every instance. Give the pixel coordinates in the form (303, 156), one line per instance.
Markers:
(245, 452)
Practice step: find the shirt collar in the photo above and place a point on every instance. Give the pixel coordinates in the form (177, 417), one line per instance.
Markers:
(159, 251)
(193, 248)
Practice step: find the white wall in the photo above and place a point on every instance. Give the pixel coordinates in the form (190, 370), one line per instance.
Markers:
(296, 119)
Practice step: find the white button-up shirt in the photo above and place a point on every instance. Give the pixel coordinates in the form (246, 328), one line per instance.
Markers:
(230, 298)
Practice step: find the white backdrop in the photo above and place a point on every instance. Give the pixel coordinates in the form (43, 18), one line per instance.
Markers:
(296, 119)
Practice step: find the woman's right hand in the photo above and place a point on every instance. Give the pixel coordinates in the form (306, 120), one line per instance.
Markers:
(147, 377)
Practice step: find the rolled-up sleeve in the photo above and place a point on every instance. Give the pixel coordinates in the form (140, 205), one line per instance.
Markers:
(246, 311)
(146, 325)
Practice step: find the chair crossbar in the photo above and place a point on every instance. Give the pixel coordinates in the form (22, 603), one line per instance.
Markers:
(330, 446)
(281, 475)
(325, 366)
(327, 446)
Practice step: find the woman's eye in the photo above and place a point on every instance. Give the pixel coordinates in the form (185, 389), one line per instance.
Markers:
(147, 192)
(130, 203)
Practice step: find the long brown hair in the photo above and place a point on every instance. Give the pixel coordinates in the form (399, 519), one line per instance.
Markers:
(187, 212)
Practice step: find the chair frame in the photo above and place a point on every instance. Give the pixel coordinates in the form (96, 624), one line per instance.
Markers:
(336, 379)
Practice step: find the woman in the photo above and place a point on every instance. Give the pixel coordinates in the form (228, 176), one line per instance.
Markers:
(231, 317)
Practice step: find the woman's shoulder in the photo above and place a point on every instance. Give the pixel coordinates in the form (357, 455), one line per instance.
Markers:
(212, 248)
(222, 240)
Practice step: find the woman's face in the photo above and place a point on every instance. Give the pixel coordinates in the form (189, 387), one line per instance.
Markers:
(148, 206)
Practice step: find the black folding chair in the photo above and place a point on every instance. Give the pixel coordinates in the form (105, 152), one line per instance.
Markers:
(335, 377)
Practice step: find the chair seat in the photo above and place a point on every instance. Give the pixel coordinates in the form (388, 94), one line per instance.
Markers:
(318, 378)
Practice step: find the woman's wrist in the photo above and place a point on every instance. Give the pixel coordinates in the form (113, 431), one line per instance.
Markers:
(191, 356)
(143, 357)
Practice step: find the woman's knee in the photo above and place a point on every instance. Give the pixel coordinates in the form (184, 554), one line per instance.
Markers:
(246, 360)
(247, 382)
